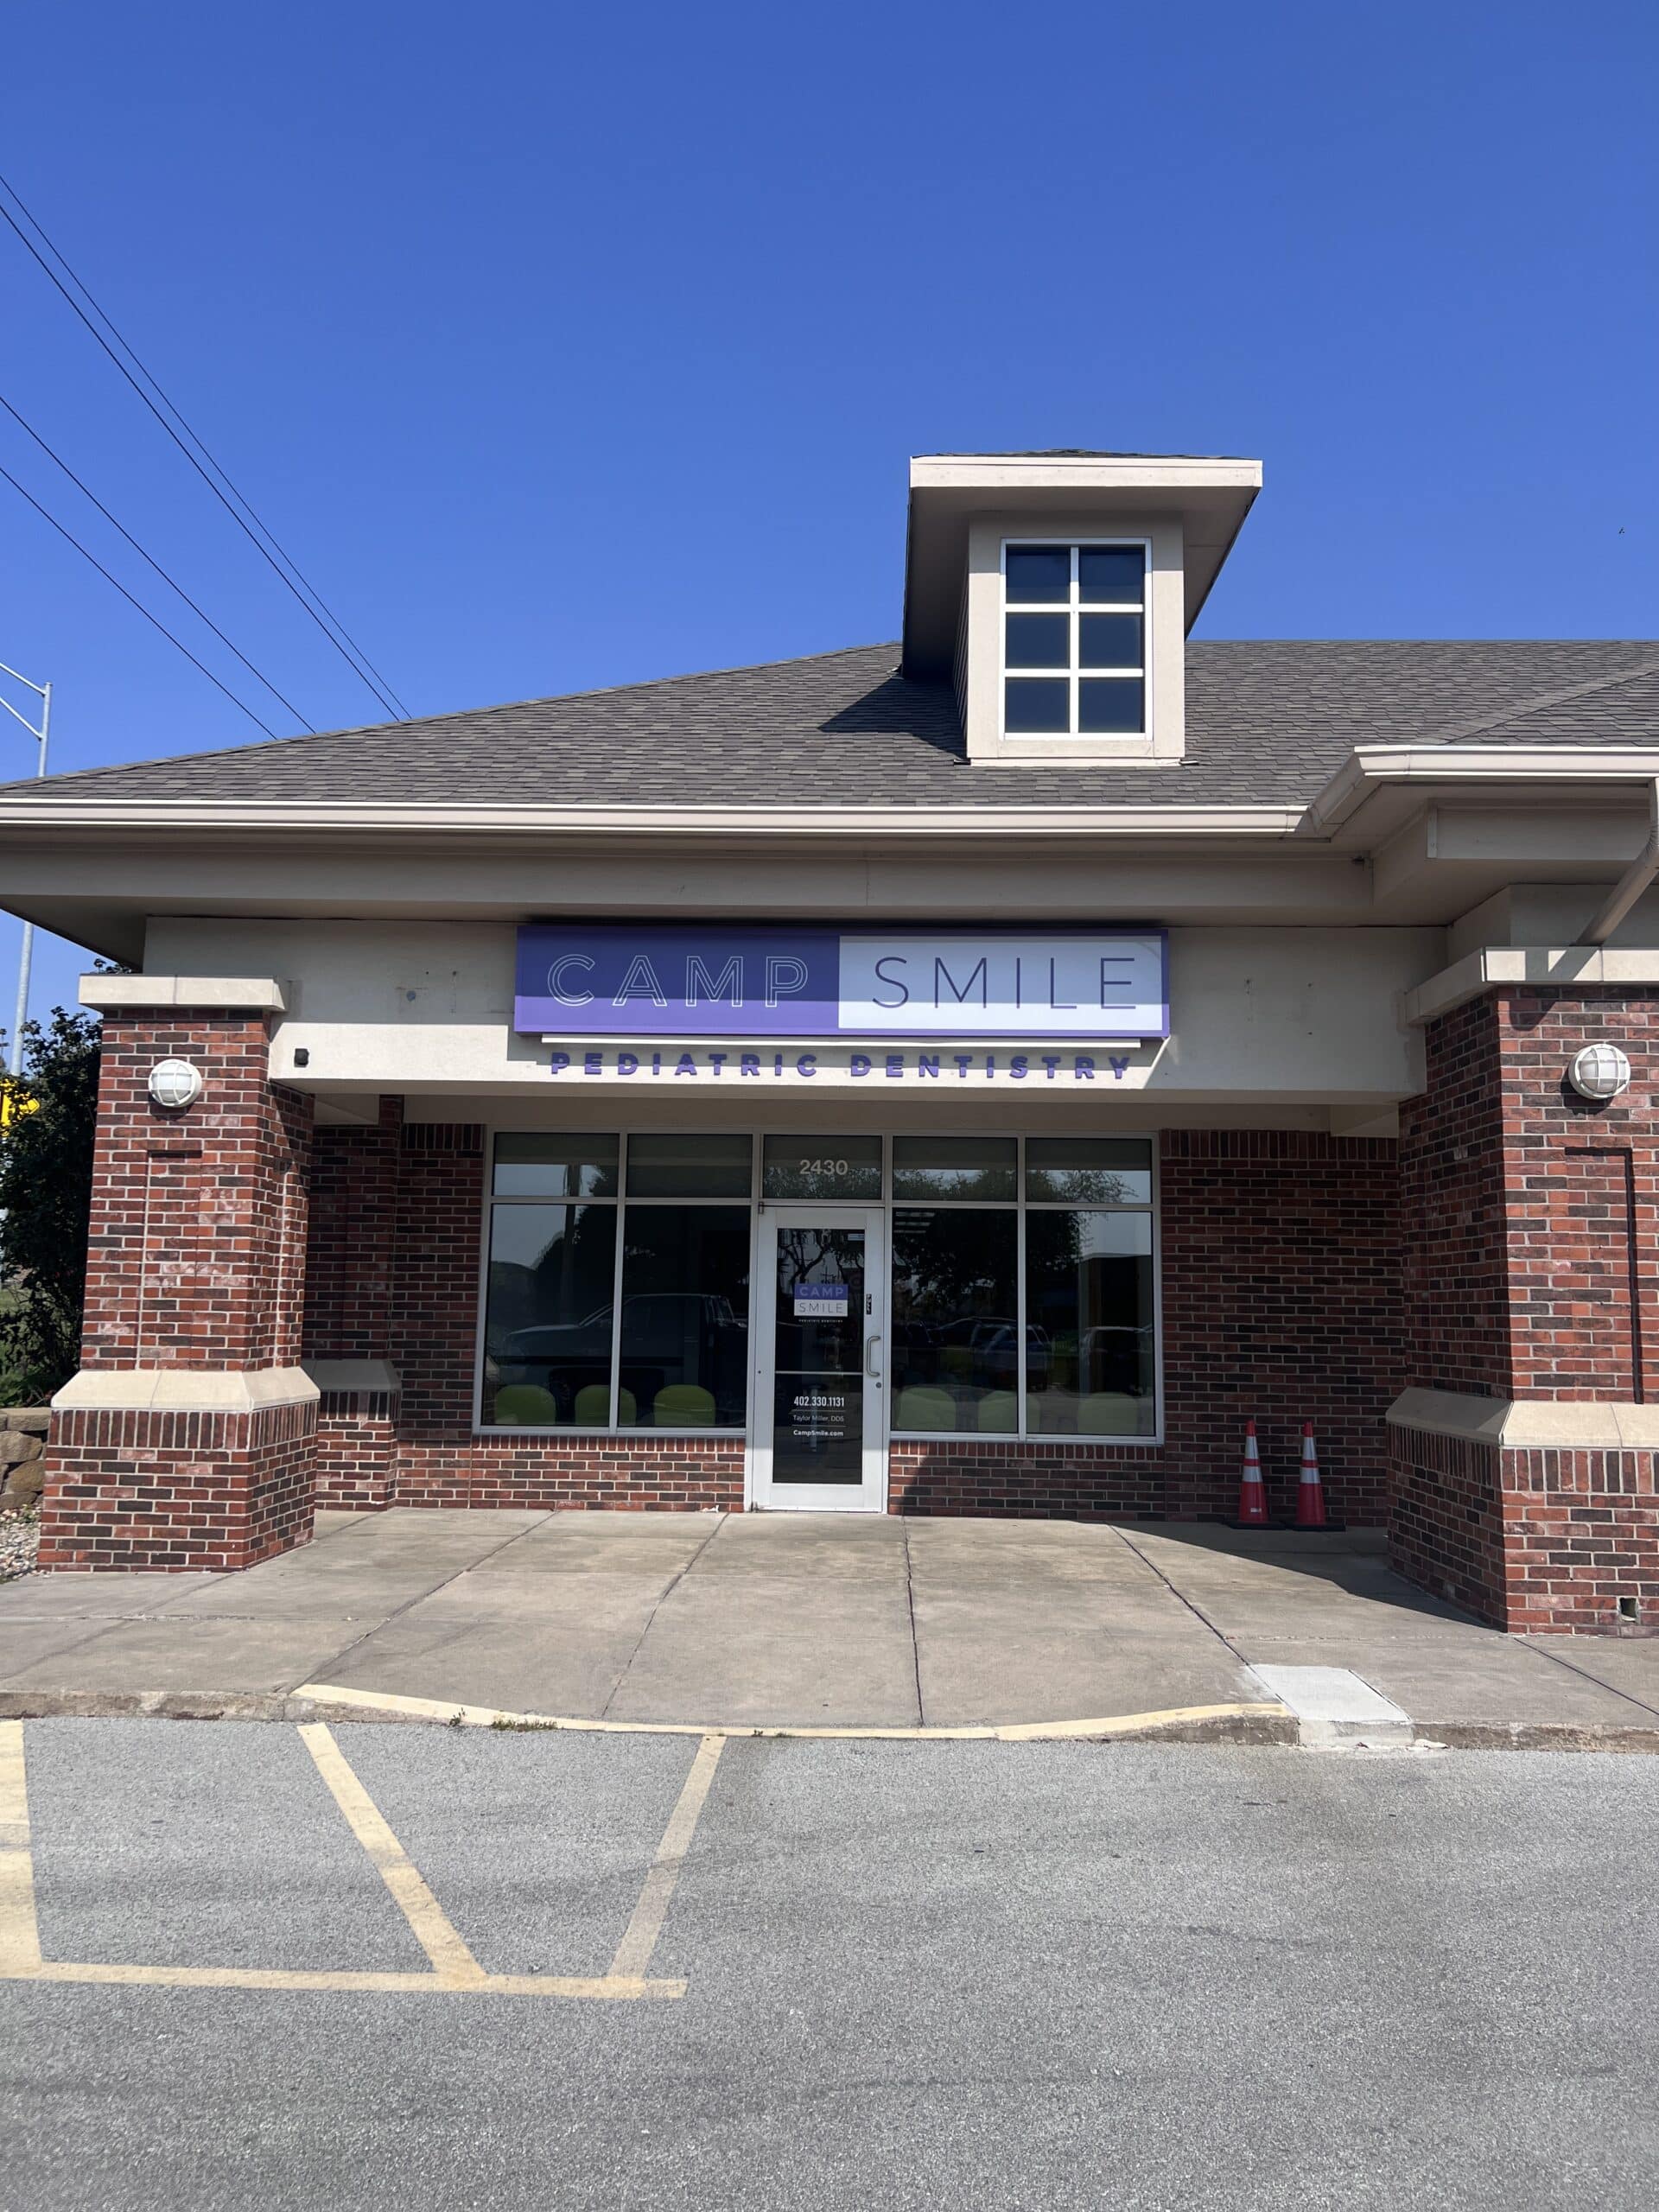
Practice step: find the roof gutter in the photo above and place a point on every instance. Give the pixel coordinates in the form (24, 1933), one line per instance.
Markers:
(1371, 768)
(222, 818)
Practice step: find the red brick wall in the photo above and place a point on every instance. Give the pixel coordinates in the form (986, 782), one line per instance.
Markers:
(1454, 1276)
(195, 1261)
(178, 1491)
(1281, 1301)
(1529, 1226)
(197, 1249)
(1447, 1527)
(354, 1229)
(1581, 1190)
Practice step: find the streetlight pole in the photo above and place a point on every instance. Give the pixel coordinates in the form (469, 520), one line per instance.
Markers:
(42, 738)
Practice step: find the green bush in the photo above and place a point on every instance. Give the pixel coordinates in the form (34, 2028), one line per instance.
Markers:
(46, 1188)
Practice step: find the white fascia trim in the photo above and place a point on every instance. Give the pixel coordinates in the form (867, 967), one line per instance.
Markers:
(1529, 1424)
(448, 822)
(1561, 965)
(184, 1389)
(214, 994)
(1369, 767)
(1081, 472)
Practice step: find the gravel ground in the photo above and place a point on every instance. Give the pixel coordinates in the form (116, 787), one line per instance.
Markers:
(20, 1537)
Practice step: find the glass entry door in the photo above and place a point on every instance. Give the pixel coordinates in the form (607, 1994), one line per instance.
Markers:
(820, 1398)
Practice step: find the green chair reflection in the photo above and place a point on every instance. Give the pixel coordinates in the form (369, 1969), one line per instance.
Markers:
(525, 1405)
(684, 1405)
(592, 1408)
(922, 1407)
(1110, 1413)
(998, 1412)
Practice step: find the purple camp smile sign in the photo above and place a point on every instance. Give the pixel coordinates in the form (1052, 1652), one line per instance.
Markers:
(601, 979)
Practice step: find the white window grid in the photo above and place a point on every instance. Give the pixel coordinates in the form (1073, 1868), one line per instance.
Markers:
(887, 1204)
(1074, 607)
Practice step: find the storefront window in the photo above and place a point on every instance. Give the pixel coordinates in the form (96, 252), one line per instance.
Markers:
(1089, 1357)
(685, 1316)
(954, 1167)
(956, 1319)
(547, 1337)
(555, 1166)
(822, 1167)
(1022, 1286)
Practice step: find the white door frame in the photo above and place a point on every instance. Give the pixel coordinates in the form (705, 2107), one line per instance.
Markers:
(869, 1495)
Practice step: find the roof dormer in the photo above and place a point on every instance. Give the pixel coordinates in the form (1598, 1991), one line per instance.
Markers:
(1057, 590)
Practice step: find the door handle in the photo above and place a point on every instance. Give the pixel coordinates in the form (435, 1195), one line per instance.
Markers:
(870, 1367)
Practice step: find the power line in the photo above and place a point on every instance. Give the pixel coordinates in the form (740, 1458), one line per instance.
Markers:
(280, 562)
(153, 619)
(170, 582)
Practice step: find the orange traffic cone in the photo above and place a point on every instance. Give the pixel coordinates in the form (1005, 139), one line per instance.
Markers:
(1310, 1490)
(1252, 1490)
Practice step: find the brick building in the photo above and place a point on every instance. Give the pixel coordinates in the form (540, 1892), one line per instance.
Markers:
(971, 1076)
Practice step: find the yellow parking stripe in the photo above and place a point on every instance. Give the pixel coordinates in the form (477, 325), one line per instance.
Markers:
(633, 1953)
(20, 1939)
(452, 1961)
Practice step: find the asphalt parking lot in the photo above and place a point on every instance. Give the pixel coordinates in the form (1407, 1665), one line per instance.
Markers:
(862, 1972)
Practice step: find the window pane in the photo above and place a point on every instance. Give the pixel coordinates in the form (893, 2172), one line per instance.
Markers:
(688, 1168)
(1111, 702)
(1039, 573)
(1042, 641)
(1033, 708)
(1089, 1171)
(555, 1166)
(685, 1316)
(955, 1332)
(1113, 574)
(1089, 1337)
(547, 1323)
(1108, 640)
(822, 1167)
(953, 1168)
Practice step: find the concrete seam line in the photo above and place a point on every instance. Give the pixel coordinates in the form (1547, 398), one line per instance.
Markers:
(663, 1596)
(420, 1598)
(393, 1705)
(452, 1961)
(641, 1939)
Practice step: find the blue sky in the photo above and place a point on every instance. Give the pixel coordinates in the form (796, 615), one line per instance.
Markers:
(565, 348)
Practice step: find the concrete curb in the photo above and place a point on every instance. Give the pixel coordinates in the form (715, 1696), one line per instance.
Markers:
(1228, 1724)
(1250, 1724)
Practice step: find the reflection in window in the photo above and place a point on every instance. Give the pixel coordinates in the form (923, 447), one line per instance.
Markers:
(689, 1168)
(1090, 1355)
(685, 1316)
(556, 1166)
(547, 1329)
(955, 1330)
(1089, 1171)
(953, 1168)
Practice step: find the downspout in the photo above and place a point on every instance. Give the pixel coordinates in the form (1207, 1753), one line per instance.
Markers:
(1631, 885)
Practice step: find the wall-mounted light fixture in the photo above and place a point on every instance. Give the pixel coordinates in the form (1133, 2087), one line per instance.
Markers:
(1599, 1072)
(175, 1084)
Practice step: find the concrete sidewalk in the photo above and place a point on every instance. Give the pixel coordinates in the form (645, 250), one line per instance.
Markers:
(779, 1620)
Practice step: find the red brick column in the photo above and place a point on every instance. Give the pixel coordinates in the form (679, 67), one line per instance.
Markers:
(1524, 1458)
(348, 1290)
(187, 1439)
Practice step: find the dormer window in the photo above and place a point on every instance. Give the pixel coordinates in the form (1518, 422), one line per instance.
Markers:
(1074, 639)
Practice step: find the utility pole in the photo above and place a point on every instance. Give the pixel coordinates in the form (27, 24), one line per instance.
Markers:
(42, 737)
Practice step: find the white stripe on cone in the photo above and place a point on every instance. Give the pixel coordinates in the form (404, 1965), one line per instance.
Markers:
(1310, 1490)
(1252, 1491)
